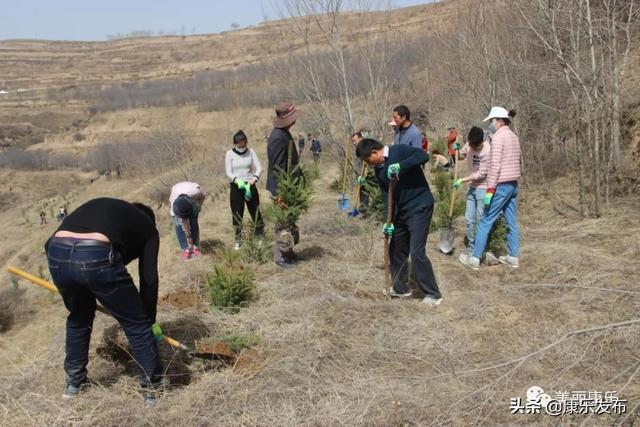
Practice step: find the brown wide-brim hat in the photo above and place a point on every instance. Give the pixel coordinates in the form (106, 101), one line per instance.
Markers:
(286, 115)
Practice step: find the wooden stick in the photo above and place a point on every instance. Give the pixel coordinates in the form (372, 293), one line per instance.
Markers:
(363, 169)
(387, 272)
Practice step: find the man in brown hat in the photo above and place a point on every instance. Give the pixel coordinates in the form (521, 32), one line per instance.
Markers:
(283, 156)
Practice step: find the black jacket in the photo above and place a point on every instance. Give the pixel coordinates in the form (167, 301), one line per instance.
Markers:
(412, 193)
(131, 232)
(279, 147)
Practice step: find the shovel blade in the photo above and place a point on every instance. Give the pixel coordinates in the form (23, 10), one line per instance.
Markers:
(447, 237)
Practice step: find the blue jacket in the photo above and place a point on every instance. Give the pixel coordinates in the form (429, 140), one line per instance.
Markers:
(410, 136)
(412, 194)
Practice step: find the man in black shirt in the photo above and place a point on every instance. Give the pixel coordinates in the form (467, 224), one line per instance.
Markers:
(413, 208)
(87, 257)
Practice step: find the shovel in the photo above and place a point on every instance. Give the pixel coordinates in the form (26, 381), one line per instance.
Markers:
(343, 201)
(355, 212)
(201, 353)
(447, 234)
(387, 272)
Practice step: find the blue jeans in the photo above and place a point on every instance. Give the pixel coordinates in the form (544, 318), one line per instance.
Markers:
(83, 274)
(473, 213)
(195, 231)
(505, 201)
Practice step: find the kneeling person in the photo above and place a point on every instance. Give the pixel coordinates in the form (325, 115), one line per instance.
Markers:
(87, 256)
(413, 209)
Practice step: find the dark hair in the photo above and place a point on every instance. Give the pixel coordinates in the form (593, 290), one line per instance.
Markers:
(476, 136)
(434, 151)
(403, 111)
(147, 210)
(366, 147)
(239, 136)
(358, 134)
(512, 114)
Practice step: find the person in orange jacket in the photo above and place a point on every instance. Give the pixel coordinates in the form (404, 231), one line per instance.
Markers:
(452, 137)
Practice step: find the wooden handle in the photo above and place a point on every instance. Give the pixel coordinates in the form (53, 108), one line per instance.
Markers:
(455, 178)
(362, 172)
(387, 272)
(51, 287)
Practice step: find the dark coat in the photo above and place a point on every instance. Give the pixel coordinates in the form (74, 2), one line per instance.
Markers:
(412, 194)
(279, 147)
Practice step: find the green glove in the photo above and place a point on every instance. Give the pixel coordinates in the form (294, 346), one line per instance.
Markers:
(361, 180)
(488, 196)
(388, 229)
(241, 184)
(457, 183)
(157, 332)
(247, 193)
(456, 146)
(393, 170)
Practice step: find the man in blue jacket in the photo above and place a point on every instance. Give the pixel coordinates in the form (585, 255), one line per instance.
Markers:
(406, 132)
(413, 209)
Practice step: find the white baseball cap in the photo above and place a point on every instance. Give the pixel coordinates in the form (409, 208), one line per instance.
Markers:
(497, 113)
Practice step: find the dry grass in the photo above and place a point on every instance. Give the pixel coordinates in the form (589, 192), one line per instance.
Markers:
(333, 351)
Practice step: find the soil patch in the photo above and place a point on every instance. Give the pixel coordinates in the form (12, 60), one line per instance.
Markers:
(185, 298)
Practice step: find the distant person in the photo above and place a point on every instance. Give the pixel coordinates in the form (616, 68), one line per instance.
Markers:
(243, 169)
(62, 212)
(283, 157)
(300, 144)
(441, 162)
(477, 152)
(413, 209)
(425, 143)
(185, 203)
(43, 217)
(87, 256)
(367, 178)
(316, 149)
(406, 132)
(452, 137)
(501, 196)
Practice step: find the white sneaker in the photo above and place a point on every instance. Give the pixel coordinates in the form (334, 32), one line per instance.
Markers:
(491, 259)
(511, 261)
(470, 261)
(431, 301)
(236, 246)
(394, 294)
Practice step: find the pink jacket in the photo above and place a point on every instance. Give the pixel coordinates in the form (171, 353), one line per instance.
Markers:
(478, 161)
(505, 158)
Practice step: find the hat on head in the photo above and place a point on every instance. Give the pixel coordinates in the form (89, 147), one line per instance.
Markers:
(183, 207)
(497, 113)
(286, 115)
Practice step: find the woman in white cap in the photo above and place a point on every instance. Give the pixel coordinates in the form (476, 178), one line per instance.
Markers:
(501, 196)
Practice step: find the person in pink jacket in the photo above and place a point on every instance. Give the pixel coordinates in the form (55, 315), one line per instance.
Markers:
(477, 152)
(501, 196)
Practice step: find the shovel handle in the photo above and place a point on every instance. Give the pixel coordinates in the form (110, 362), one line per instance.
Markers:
(387, 272)
(51, 287)
(455, 178)
(363, 169)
